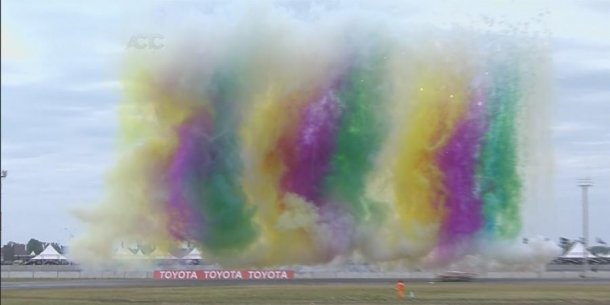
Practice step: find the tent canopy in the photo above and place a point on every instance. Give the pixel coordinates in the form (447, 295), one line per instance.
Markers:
(49, 253)
(194, 254)
(123, 253)
(158, 254)
(577, 251)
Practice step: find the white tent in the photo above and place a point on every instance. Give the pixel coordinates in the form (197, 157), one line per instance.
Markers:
(194, 254)
(139, 254)
(124, 253)
(49, 253)
(158, 254)
(577, 251)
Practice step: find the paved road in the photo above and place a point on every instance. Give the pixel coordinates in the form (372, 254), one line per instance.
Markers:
(115, 283)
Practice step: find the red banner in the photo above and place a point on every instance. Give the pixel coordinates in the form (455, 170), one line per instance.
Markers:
(204, 275)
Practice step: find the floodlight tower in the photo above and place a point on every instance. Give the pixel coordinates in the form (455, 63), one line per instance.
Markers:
(4, 173)
(585, 184)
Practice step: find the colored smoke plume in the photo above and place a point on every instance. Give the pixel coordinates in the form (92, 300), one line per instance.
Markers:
(272, 139)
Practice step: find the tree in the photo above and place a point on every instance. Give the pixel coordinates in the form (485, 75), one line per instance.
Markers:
(565, 244)
(34, 245)
(8, 252)
(57, 247)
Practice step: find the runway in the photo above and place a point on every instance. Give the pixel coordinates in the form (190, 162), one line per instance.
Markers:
(150, 283)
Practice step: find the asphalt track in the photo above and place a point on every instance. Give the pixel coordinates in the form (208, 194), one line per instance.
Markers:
(144, 283)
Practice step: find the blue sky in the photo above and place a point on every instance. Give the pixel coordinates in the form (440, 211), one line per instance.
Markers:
(60, 91)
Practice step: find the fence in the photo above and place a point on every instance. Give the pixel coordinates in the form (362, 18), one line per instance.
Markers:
(75, 272)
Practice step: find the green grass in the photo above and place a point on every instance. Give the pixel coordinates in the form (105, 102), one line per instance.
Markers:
(370, 294)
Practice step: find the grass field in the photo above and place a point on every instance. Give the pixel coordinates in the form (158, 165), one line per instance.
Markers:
(370, 294)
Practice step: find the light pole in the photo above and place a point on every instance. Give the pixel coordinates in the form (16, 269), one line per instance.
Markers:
(585, 184)
(4, 173)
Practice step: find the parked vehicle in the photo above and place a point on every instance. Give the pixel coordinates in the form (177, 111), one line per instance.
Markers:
(456, 276)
